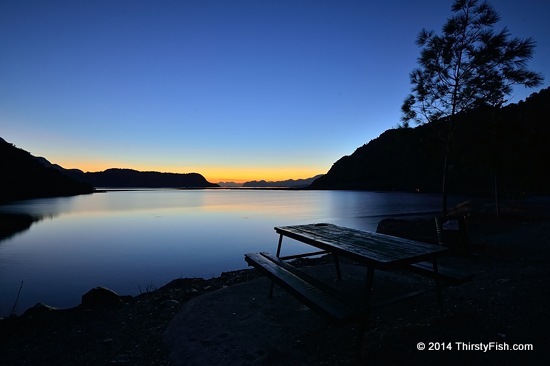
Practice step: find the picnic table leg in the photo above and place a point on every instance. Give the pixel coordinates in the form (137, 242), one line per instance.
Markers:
(365, 312)
(438, 288)
(278, 255)
(279, 245)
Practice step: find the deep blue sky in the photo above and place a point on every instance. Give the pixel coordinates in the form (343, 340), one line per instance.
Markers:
(235, 90)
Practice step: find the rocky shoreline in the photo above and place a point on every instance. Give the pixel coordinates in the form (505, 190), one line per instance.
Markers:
(504, 304)
(105, 328)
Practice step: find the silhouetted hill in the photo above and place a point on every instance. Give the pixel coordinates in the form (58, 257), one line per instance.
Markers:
(129, 178)
(126, 178)
(230, 184)
(23, 176)
(514, 145)
(290, 183)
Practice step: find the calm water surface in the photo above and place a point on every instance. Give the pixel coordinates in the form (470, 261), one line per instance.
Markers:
(129, 241)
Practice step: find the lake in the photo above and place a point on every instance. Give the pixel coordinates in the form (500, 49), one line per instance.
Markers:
(134, 240)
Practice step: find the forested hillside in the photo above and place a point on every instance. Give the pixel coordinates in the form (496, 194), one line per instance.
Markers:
(511, 145)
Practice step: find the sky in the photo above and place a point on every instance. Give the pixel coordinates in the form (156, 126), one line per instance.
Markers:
(234, 90)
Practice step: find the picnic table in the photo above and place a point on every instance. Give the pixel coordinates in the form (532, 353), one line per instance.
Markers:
(374, 250)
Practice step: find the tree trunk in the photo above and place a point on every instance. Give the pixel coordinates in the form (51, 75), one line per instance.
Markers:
(448, 139)
(497, 209)
(496, 154)
(444, 186)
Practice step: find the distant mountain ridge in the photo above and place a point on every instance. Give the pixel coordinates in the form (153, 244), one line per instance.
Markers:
(24, 177)
(512, 150)
(290, 183)
(128, 178)
(230, 184)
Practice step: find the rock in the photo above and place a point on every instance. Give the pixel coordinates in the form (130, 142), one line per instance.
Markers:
(38, 309)
(170, 303)
(100, 297)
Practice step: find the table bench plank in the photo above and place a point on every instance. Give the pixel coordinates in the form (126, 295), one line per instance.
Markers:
(304, 288)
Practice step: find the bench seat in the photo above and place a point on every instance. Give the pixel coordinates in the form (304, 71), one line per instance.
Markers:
(313, 293)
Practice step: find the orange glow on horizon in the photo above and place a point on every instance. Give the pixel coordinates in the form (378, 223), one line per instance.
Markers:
(213, 174)
(246, 174)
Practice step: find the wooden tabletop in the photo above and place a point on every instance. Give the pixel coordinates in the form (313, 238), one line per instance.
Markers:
(378, 250)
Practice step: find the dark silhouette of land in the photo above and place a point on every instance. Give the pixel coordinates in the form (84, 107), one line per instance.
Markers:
(130, 178)
(127, 178)
(515, 149)
(23, 177)
(290, 183)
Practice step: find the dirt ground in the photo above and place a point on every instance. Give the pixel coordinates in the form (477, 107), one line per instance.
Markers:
(505, 305)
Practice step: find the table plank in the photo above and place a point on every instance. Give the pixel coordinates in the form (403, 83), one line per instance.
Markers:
(379, 250)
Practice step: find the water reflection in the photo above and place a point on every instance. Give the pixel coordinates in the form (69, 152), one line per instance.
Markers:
(125, 240)
(12, 224)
